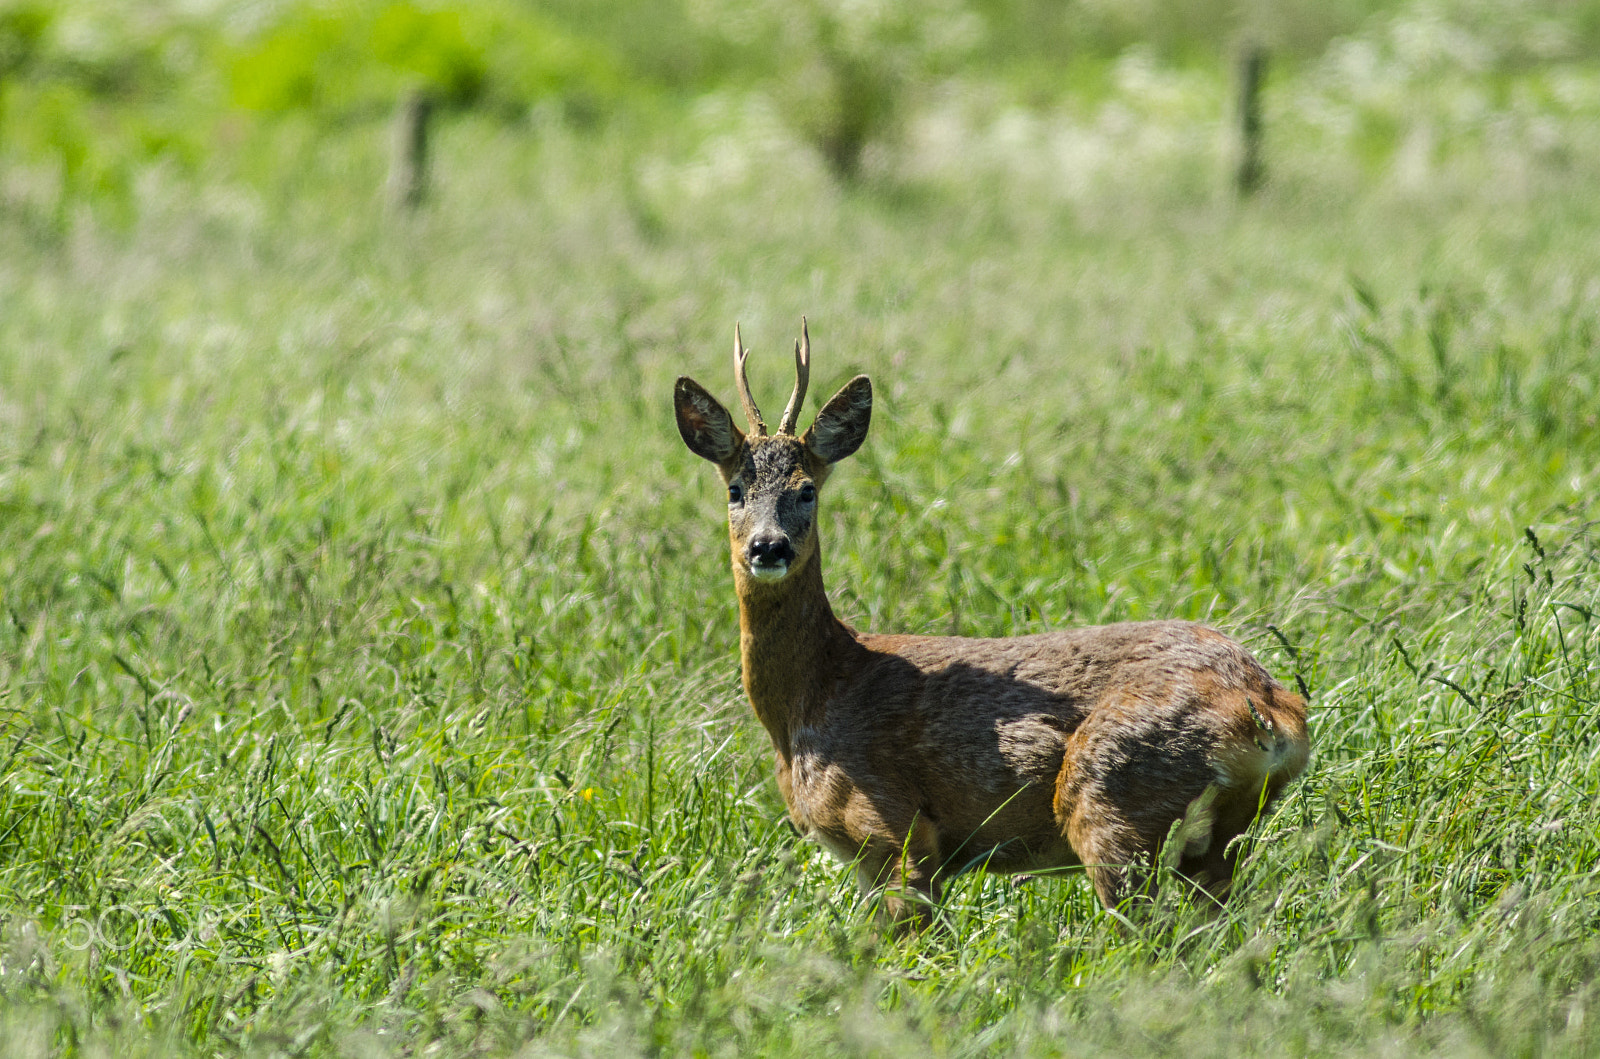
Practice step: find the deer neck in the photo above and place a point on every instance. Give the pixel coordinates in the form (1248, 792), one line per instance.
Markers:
(791, 648)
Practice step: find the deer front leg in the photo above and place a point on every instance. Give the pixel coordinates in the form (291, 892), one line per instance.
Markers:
(906, 872)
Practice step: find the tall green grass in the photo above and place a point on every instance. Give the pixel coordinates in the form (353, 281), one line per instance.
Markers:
(367, 666)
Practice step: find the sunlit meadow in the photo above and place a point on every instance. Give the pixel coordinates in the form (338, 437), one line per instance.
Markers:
(368, 668)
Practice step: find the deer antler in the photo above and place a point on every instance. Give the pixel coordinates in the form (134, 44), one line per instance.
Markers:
(802, 377)
(751, 412)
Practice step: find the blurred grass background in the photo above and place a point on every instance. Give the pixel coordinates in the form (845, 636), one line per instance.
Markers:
(367, 666)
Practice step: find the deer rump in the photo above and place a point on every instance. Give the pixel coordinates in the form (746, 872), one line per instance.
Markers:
(1082, 746)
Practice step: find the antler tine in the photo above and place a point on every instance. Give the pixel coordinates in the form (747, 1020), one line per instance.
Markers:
(751, 412)
(802, 378)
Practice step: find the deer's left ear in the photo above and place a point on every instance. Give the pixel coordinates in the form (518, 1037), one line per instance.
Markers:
(842, 424)
(705, 425)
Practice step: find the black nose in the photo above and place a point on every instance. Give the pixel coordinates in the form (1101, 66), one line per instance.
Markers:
(770, 549)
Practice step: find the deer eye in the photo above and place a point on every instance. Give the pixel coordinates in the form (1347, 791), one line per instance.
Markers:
(735, 493)
(808, 493)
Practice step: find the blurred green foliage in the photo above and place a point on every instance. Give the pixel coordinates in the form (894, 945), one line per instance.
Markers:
(91, 91)
(353, 57)
(21, 27)
(844, 71)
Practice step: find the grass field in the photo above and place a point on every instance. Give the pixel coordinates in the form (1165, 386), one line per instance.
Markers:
(368, 668)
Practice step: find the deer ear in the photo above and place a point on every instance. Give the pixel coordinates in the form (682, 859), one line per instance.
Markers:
(842, 424)
(706, 426)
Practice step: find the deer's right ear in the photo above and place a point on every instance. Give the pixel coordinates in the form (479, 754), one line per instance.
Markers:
(706, 426)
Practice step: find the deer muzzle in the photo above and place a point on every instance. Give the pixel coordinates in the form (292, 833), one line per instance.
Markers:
(768, 555)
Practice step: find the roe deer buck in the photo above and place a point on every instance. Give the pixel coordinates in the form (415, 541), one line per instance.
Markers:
(918, 757)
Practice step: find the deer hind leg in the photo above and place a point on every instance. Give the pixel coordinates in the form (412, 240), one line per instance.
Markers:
(1113, 853)
(1262, 748)
(1120, 790)
(1211, 863)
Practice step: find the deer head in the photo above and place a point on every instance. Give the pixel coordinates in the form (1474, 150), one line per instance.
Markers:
(773, 479)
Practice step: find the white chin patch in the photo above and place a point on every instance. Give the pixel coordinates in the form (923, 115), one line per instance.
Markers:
(769, 571)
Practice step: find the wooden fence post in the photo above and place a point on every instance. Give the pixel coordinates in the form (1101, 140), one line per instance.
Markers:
(408, 159)
(1252, 71)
